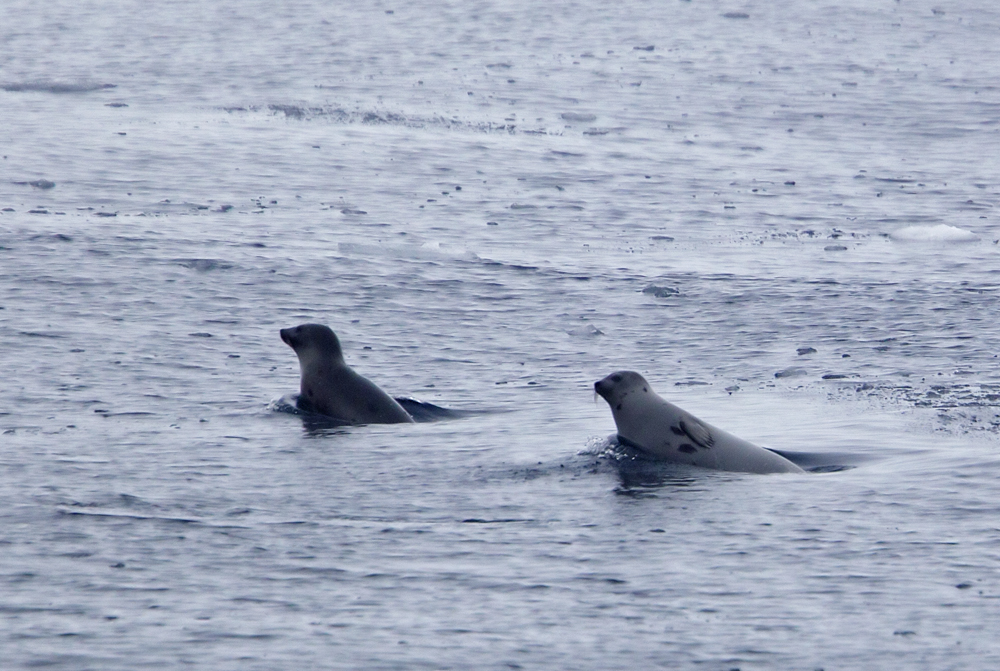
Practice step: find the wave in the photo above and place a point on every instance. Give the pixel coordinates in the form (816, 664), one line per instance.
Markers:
(375, 118)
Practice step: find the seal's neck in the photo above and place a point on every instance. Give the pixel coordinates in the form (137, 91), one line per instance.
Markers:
(312, 359)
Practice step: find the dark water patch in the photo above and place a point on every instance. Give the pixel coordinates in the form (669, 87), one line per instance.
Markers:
(896, 180)
(512, 266)
(204, 265)
(603, 131)
(661, 291)
(229, 635)
(325, 571)
(128, 516)
(296, 112)
(597, 577)
(831, 468)
(17, 610)
(135, 413)
(578, 117)
(42, 86)
(42, 184)
(57, 237)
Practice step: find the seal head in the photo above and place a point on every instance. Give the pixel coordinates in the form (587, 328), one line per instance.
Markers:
(330, 387)
(313, 339)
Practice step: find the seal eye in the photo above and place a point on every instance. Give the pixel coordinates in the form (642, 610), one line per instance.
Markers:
(616, 378)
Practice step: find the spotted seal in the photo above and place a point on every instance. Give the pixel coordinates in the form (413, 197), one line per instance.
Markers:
(660, 428)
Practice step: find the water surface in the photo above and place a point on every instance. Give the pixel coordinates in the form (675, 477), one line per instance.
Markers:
(781, 216)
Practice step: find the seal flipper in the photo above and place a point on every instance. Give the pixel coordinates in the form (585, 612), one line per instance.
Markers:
(822, 462)
(422, 411)
(628, 443)
(303, 404)
(697, 432)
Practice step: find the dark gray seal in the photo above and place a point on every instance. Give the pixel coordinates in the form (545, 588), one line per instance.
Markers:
(331, 387)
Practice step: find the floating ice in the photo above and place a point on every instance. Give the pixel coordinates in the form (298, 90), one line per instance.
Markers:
(938, 233)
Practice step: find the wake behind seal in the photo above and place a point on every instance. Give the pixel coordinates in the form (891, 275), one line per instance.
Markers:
(330, 387)
(663, 430)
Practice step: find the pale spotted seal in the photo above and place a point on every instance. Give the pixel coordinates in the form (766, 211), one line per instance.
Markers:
(659, 428)
(330, 387)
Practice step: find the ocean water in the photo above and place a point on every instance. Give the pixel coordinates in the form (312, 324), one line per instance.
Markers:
(783, 215)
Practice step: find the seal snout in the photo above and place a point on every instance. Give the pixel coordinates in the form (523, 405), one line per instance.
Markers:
(602, 388)
(607, 386)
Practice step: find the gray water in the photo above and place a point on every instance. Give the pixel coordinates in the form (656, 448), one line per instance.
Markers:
(495, 204)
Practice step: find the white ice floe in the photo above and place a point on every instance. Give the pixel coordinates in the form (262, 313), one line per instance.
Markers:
(938, 233)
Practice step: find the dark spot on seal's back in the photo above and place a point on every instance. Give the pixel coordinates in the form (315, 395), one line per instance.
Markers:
(309, 392)
(687, 448)
(677, 430)
(644, 390)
